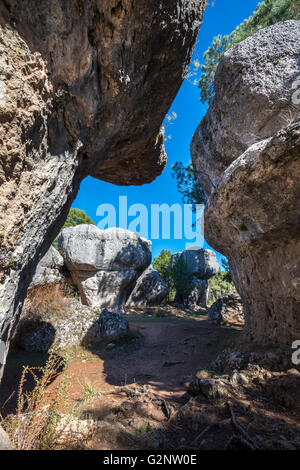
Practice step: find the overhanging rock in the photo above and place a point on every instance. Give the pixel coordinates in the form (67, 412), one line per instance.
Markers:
(84, 88)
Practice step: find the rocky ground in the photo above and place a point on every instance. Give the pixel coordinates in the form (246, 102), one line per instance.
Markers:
(178, 382)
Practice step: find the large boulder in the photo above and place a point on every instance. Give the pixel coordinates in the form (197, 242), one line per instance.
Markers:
(150, 290)
(253, 99)
(227, 308)
(75, 325)
(198, 296)
(48, 271)
(84, 89)
(104, 264)
(200, 265)
(246, 152)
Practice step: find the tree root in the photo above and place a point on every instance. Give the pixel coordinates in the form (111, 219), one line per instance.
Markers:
(209, 428)
(247, 439)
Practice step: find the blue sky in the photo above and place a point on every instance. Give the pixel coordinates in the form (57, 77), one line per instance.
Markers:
(221, 18)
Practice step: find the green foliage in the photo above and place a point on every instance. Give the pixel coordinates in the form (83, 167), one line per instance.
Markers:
(211, 58)
(188, 184)
(176, 275)
(181, 280)
(162, 264)
(225, 264)
(75, 217)
(267, 13)
(88, 391)
(62, 95)
(170, 118)
(221, 284)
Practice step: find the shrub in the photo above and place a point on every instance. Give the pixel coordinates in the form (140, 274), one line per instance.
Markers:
(35, 424)
(219, 286)
(176, 275)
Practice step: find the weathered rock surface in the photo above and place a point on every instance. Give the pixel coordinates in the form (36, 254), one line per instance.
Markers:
(104, 264)
(82, 92)
(257, 74)
(76, 324)
(109, 326)
(48, 271)
(150, 290)
(198, 296)
(212, 389)
(201, 265)
(246, 152)
(5, 443)
(227, 308)
(284, 389)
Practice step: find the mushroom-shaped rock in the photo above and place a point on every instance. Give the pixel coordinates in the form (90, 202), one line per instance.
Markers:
(198, 297)
(246, 152)
(200, 266)
(104, 264)
(150, 290)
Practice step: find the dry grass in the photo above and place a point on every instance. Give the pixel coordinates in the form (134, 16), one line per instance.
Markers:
(36, 422)
(48, 298)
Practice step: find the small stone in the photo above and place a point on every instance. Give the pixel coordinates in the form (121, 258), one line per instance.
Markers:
(239, 379)
(210, 388)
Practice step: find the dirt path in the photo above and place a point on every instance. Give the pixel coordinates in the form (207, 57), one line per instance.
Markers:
(168, 355)
(164, 357)
(146, 405)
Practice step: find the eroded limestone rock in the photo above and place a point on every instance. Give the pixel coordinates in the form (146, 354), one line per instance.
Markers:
(82, 92)
(201, 265)
(73, 325)
(104, 264)
(226, 308)
(246, 152)
(198, 297)
(150, 290)
(48, 271)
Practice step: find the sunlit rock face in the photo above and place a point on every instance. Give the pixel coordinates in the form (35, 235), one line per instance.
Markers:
(246, 152)
(104, 264)
(49, 269)
(84, 88)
